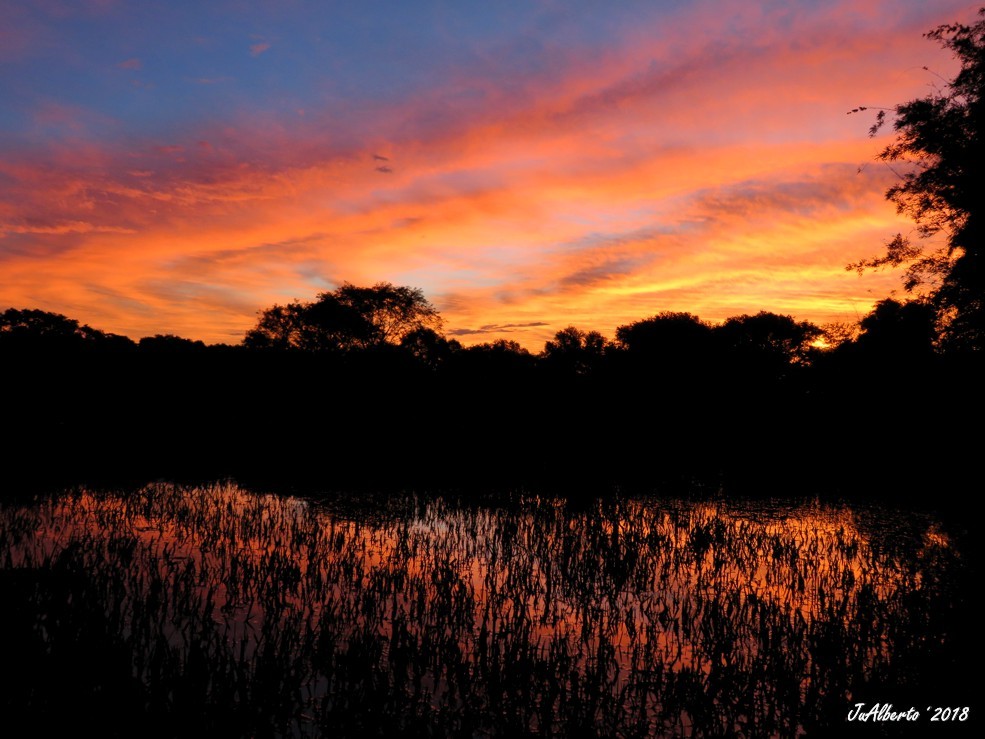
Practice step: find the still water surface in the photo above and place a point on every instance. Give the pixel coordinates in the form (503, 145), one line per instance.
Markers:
(253, 614)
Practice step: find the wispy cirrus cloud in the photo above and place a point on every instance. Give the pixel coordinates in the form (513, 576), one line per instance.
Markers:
(71, 227)
(498, 328)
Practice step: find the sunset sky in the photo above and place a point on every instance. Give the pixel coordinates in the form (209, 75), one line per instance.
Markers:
(175, 167)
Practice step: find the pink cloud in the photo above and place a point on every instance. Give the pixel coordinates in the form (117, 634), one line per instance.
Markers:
(258, 48)
(132, 63)
(71, 227)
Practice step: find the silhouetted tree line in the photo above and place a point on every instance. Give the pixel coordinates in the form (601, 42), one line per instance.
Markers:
(361, 382)
(361, 385)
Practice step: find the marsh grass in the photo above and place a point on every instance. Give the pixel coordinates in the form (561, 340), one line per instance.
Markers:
(223, 612)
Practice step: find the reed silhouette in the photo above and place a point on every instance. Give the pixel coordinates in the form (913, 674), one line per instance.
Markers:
(219, 611)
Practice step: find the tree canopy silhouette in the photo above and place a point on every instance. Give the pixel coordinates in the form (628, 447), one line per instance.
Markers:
(349, 317)
(667, 337)
(575, 350)
(897, 330)
(38, 329)
(942, 136)
(170, 343)
(769, 337)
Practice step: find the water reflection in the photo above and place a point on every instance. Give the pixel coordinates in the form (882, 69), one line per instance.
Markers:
(258, 614)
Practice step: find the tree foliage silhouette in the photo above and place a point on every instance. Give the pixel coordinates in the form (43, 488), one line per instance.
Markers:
(896, 330)
(574, 350)
(667, 337)
(37, 329)
(170, 343)
(769, 337)
(429, 347)
(942, 137)
(349, 317)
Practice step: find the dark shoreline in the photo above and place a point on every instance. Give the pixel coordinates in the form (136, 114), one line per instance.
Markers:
(841, 427)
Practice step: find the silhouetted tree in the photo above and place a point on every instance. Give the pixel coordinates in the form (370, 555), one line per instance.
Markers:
(837, 333)
(279, 327)
(30, 329)
(576, 351)
(323, 325)
(668, 338)
(348, 317)
(500, 356)
(393, 311)
(169, 343)
(39, 324)
(895, 330)
(769, 337)
(943, 136)
(499, 346)
(429, 347)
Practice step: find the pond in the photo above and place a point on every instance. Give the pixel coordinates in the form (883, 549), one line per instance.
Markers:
(230, 612)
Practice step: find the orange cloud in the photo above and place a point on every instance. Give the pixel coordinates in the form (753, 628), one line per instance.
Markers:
(683, 174)
(72, 227)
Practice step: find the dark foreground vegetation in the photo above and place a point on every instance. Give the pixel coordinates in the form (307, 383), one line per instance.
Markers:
(216, 611)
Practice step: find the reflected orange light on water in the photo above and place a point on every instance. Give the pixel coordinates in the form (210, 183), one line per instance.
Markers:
(634, 599)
